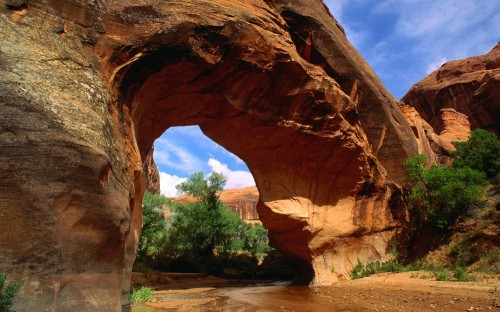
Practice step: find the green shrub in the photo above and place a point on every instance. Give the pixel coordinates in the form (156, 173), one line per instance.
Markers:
(461, 274)
(143, 294)
(480, 152)
(357, 270)
(370, 268)
(441, 274)
(439, 195)
(8, 290)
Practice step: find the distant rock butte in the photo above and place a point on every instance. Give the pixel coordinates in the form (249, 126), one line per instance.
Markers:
(241, 200)
(88, 86)
(470, 86)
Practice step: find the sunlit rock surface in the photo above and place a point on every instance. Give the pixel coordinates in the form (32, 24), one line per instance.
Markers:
(86, 88)
(470, 86)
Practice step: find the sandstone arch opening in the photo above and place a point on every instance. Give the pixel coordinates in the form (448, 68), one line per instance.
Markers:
(310, 165)
(229, 66)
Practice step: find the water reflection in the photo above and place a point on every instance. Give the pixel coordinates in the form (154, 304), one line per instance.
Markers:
(258, 297)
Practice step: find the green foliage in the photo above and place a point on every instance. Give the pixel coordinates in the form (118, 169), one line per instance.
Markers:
(370, 268)
(205, 190)
(481, 152)
(461, 275)
(198, 230)
(153, 225)
(357, 270)
(206, 235)
(143, 294)
(453, 192)
(440, 195)
(8, 290)
(256, 241)
(441, 274)
(414, 169)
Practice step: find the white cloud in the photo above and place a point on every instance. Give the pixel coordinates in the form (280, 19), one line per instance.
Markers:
(175, 156)
(435, 64)
(235, 179)
(168, 183)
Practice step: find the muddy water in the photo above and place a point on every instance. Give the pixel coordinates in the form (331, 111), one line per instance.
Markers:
(261, 298)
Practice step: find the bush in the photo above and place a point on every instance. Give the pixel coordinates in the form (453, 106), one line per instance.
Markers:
(370, 268)
(8, 290)
(480, 152)
(441, 274)
(357, 270)
(440, 195)
(143, 294)
(461, 274)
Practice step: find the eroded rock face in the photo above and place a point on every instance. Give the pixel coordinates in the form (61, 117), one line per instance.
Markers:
(152, 174)
(241, 200)
(470, 86)
(437, 148)
(87, 88)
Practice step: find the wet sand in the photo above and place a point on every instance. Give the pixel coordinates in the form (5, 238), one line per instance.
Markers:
(382, 292)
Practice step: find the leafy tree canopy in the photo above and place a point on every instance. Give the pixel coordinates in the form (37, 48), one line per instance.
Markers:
(481, 152)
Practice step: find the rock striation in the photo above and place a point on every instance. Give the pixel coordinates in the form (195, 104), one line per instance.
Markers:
(86, 88)
(470, 87)
(152, 174)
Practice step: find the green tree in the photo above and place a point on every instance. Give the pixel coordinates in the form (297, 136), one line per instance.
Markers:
(256, 241)
(440, 195)
(205, 226)
(153, 225)
(480, 152)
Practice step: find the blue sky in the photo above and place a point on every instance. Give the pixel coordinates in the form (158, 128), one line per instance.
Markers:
(403, 41)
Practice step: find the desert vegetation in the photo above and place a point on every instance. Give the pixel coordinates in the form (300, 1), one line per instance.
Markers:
(457, 205)
(8, 291)
(204, 236)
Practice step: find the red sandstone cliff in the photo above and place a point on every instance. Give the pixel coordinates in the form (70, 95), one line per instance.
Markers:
(241, 200)
(470, 86)
(87, 86)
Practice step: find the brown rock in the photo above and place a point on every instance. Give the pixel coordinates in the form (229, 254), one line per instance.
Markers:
(152, 174)
(275, 82)
(470, 86)
(435, 147)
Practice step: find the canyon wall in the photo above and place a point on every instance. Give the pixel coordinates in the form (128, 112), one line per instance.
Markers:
(88, 86)
(243, 201)
(470, 86)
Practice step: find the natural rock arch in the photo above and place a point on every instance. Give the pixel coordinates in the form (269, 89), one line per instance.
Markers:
(308, 116)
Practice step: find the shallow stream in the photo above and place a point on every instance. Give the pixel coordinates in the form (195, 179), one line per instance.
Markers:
(276, 296)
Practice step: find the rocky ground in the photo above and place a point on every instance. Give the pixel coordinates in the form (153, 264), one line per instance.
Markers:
(410, 291)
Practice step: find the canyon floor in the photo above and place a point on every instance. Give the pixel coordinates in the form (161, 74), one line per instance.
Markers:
(409, 291)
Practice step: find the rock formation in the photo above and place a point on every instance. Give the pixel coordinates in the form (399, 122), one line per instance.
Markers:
(242, 200)
(470, 86)
(86, 88)
(152, 174)
(437, 148)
